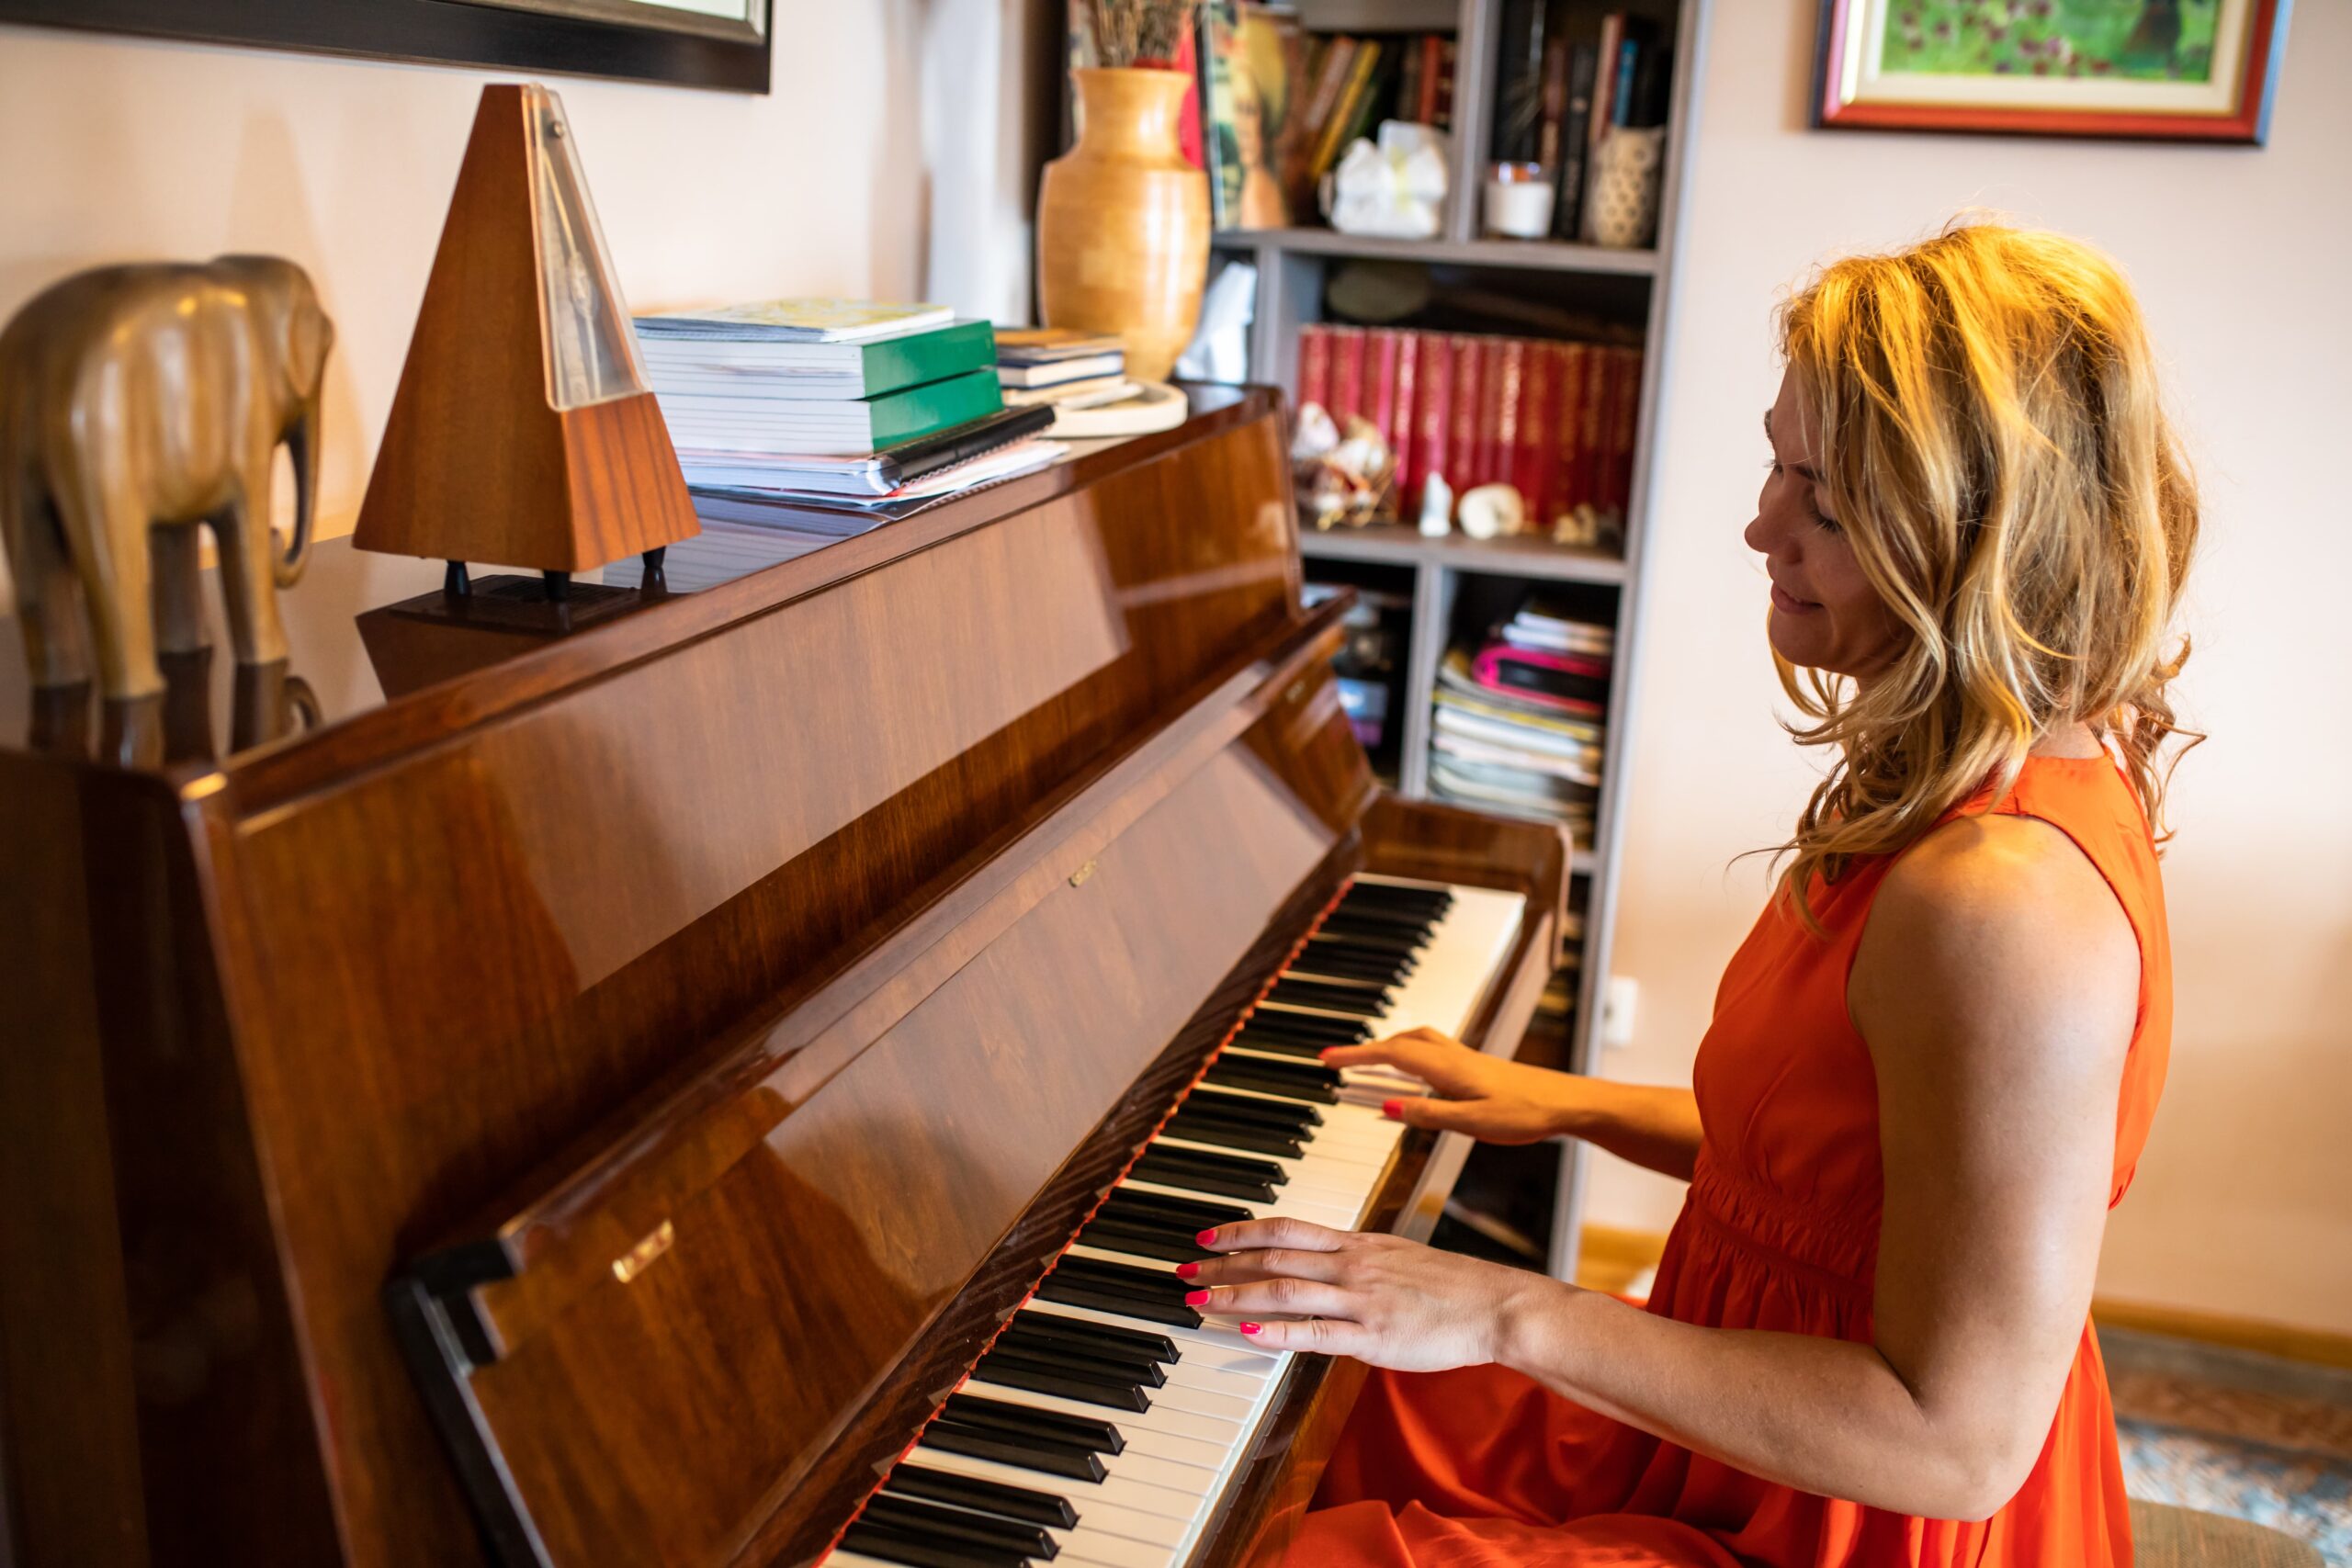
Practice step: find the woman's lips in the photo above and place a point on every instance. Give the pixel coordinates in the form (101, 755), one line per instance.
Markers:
(1783, 599)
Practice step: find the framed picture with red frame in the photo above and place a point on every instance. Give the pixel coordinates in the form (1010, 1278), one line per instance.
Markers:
(2153, 70)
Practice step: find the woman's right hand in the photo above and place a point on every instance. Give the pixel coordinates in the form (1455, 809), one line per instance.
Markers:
(1494, 1100)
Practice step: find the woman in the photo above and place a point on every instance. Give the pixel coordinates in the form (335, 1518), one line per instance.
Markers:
(1932, 1064)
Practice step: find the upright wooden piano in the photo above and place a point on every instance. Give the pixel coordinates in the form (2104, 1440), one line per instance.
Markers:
(726, 1085)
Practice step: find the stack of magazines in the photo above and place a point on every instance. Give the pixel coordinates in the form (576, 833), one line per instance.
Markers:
(1518, 723)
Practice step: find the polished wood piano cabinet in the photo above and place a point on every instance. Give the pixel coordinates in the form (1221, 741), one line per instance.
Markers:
(711, 1022)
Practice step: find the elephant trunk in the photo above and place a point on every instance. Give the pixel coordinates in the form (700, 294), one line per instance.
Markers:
(302, 447)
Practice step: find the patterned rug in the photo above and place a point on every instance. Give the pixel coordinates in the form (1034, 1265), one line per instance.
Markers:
(2233, 1432)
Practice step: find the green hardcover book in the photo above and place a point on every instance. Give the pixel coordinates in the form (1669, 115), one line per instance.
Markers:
(826, 426)
(841, 371)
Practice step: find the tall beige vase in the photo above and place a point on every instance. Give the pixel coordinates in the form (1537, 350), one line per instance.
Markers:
(1123, 221)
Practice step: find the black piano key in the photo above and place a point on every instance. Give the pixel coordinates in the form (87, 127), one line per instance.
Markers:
(1073, 1294)
(1245, 1072)
(1051, 1325)
(1237, 1135)
(1311, 1074)
(1309, 1025)
(928, 1521)
(1390, 896)
(1164, 1244)
(1291, 1120)
(978, 1410)
(1147, 1210)
(1151, 1283)
(1244, 1168)
(893, 1545)
(1393, 896)
(1313, 966)
(1352, 1002)
(986, 1497)
(1157, 1167)
(1112, 1366)
(1324, 942)
(1014, 1372)
(1382, 930)
(1099, 1364)
(1047, 1458)
(1279, 1044)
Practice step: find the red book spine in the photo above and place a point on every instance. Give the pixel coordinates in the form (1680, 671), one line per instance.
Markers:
(1405, 441)
(1432, 448)
(1469, 363)
(1347, 374)
(1588, 431)
(1602, 427)
(1568, 429)
(1535, 423)
(1432, 82)
(1625, 427)
(1379, 392)
(1314, 366)
(1506, 387)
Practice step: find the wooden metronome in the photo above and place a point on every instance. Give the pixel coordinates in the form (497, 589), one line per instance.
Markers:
(524, 432)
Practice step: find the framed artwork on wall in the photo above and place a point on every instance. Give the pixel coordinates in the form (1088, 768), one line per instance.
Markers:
(697, 43)
(2157, 70)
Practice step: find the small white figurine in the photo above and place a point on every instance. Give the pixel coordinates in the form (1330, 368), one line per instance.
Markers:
(1396, 188)
(1493, 511)
(1437, 507)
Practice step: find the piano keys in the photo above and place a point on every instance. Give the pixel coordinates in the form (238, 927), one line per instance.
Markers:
(1172, 1401)
(731, 1084)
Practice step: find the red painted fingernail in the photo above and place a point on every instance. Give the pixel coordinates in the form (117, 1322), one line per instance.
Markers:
(1393, 1108)
(1186, 1270)
(1206, 1238)
(1326, 1052)
(1249, 1329)
(1194, 1298)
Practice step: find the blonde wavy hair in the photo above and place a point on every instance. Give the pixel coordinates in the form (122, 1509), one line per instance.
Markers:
(1991, 440)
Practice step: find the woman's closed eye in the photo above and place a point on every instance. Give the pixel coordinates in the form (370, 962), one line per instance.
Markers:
(1774, 468)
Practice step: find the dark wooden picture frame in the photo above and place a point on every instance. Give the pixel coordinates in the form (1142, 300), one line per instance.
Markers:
(2256, 33)
(682, 48)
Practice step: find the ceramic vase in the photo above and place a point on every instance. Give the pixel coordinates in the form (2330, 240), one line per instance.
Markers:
(1123, 221)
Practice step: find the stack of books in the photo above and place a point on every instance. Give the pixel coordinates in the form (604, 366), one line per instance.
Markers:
(1553, 420)
(1520, 724)
(830, 402)
(1060, 367)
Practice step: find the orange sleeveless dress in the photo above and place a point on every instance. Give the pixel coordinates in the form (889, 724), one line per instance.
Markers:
(1779, 1231)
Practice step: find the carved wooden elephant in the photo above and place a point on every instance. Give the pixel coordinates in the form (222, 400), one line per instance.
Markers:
(136, 402)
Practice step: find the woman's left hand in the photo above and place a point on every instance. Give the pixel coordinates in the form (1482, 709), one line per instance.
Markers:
(1383, 1300)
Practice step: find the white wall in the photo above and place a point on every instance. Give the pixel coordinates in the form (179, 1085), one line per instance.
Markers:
(124, 149)
(2243, 1203)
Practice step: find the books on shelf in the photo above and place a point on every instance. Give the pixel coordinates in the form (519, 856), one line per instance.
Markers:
(1280, 106)
(1519, 722)
(1555, 420)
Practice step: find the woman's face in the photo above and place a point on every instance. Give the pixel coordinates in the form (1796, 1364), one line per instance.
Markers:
(1825, 615)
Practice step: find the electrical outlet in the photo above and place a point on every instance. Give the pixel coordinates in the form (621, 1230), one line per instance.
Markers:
(1617, 1005)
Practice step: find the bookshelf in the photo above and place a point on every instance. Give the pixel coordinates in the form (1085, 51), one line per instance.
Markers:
(1453, 580)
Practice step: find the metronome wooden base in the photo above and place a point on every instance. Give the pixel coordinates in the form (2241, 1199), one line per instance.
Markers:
(550, 605)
